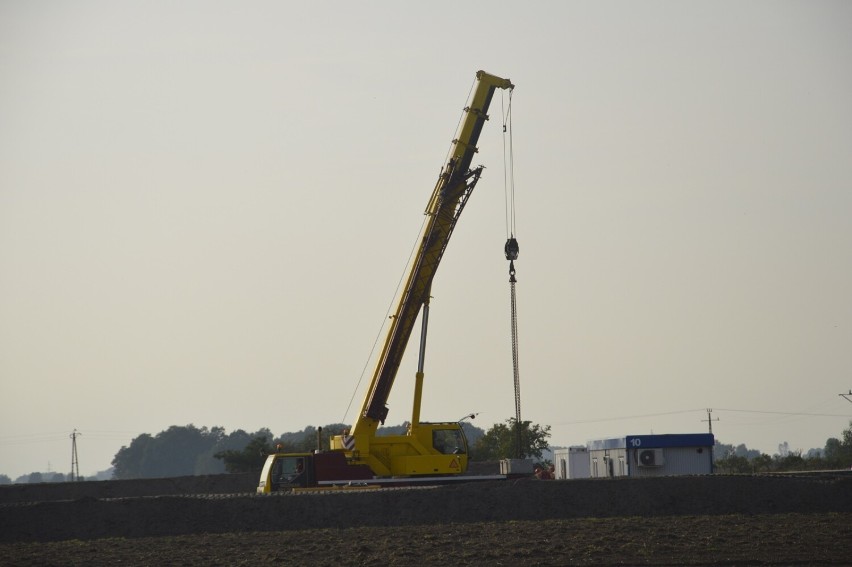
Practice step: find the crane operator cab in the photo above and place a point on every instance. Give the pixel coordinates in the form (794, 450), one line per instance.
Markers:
(288, 471)
(449, 441)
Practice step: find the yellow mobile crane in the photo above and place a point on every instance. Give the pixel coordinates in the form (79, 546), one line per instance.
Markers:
(426, 450)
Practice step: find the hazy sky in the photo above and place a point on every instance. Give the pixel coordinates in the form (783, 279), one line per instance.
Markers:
(205, 208)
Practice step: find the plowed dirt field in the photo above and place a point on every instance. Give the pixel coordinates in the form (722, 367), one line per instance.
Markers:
(711, 520)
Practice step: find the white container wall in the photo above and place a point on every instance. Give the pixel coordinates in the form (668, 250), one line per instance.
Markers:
(642, 456)
(572, 462)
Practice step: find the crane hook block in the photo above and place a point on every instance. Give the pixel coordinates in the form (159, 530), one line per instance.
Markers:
(511, 249)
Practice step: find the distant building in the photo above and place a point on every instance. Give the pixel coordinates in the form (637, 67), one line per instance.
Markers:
(637, 456)
(652, 455)
(572, 462)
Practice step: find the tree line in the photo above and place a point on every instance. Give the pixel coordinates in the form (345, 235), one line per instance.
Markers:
(51, 476)
(837, 454)
(189, 450)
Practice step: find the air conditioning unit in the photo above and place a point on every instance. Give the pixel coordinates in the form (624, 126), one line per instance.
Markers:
(650, 457)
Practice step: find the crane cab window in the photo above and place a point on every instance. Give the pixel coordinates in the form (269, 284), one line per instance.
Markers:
(449, 441)
(288, 471)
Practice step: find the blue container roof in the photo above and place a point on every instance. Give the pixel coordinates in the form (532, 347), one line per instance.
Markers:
(655, 441)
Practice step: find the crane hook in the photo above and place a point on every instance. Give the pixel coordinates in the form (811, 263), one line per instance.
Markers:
(511, 249)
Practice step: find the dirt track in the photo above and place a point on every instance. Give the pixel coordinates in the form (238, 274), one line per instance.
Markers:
(721, 520)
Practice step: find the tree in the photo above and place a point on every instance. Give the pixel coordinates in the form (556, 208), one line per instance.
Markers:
(305, 441)
(838, 452)
(792, 461)
(129, 462)
(5, 479)
(178, 448)
(762, 463)
(472, 433)
(722, 451)
(733, 464)
(177, 451)
(386, 430)
(250, 458)
(501, 441)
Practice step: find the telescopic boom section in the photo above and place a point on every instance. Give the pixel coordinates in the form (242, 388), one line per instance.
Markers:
(451, 192)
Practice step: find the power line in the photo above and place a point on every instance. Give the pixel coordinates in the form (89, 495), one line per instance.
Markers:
(625, 417)
(785, 412)
(29, 438)
(628, 417)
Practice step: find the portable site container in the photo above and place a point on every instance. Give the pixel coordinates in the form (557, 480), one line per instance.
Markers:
(652, 455)
(572, 462)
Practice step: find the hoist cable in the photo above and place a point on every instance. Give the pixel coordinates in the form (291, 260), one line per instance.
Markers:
(515, 366)
(511, 249)
(464, 111)
(508, 167)
(410, 256)
(384, 322)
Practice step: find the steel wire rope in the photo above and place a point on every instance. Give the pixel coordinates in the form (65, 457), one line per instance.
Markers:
(456, 131)
(384, 322)
(509, 168)
(697, 410)
(511, 250)
(408, 263)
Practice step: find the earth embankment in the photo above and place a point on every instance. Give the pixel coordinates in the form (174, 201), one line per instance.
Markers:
(130, 510)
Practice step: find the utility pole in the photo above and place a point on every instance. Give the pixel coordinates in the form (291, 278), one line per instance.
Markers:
(847, 397)
(75, 464)
(710, 420)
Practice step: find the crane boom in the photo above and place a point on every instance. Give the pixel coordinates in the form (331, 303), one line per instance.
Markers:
(448, 199)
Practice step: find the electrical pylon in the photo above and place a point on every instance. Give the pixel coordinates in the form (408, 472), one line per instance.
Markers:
(75, 464)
